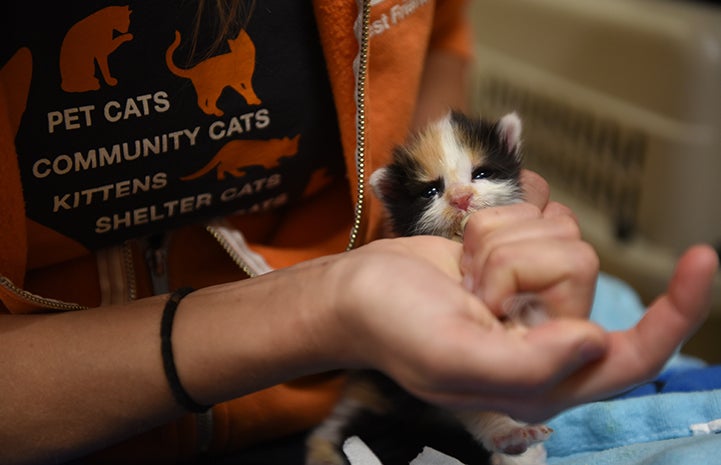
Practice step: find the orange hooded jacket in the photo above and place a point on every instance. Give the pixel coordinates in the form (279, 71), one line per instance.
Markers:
(374, 53)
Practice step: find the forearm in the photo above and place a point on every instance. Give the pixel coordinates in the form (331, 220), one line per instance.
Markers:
(82, 378)
(87, 379)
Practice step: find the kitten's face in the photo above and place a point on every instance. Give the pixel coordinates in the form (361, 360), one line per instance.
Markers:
(456, 166)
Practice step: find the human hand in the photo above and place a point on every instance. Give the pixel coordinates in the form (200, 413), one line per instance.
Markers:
(405, 312)
(638, 354)
(531, 247)
(501, 268)
(402, 310)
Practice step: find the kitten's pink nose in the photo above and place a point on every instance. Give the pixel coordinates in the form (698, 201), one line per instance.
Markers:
(461, 201)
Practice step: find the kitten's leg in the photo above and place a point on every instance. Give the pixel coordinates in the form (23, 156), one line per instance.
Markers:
(324, 444)
(501, 434)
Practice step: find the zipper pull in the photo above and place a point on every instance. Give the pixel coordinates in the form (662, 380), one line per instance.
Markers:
(156, 258)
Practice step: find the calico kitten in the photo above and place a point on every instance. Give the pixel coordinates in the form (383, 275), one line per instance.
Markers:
(456, 166)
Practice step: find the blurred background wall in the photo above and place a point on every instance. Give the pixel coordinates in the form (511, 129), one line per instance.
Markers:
(621, 105)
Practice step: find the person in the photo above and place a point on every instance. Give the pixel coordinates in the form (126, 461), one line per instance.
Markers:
(153, 146)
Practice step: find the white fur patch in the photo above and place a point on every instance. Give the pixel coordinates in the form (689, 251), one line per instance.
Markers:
(376, 179)
(509, 130)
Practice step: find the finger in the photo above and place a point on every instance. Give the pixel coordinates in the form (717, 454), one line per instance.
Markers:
(441, 252)
(555, 209)
(638, 354)
(517, 229)
(562, 273)
(535, 188)
(476, 252)
(480, 223)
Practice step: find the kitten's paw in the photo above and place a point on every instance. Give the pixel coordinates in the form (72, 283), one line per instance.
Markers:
(320, 451)
(519, 438)
(534, 455)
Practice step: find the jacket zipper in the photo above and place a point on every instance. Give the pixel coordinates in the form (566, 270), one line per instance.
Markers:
(129, 264)
(232, 241)
(237, 259)
(219, 232)
(54, 304)
(361, 122)
(156, 257)
(43, 302)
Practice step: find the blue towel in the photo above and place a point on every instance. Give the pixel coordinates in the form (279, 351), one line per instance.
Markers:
(611, 424)
(672, 420)
(694, 450)
(680, 379)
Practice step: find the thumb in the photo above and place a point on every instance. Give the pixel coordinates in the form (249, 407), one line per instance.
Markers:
(561, 346)
(520, 361)
(675, 315)
(639, 353)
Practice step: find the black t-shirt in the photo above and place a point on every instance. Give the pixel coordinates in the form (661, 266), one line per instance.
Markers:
(134, 124)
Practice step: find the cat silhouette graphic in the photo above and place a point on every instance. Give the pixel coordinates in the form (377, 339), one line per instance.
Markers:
(90, 42)
(235, 157)
(212, 75)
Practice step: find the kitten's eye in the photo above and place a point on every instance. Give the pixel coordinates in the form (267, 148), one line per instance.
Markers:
(430, 192)
(430, 189)
(482, 173)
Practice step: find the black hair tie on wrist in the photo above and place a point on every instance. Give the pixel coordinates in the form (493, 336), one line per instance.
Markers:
(166, 349)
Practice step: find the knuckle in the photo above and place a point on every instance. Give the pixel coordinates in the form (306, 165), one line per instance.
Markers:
(568, 226)
(588, 253)
(499, 257)
(476, 224)
(528, 209)
(558, 209)
(586, 259)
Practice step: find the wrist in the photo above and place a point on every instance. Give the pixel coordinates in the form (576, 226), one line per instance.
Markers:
(236, 338)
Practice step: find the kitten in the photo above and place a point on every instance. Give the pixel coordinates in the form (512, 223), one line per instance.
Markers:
(456, 166)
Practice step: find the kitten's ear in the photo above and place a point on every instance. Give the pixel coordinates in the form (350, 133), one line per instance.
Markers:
(377, 180)
(509, 132)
